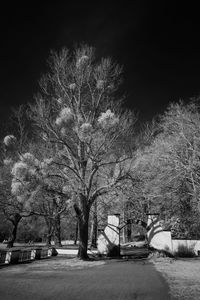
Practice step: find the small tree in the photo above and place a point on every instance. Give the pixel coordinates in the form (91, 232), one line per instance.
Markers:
(36, 183)
(13, 208)
(52, 206)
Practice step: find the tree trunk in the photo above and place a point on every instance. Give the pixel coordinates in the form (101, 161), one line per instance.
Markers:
(49, 231)
(83, 220)
(58, 231)
(76, 233)
(93, 232)
(48, 241)
(83, 238)
(129, 232)
(15, 221)
(124, 228)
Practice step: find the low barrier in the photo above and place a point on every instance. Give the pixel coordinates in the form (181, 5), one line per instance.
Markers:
(162, 240)
(5, 257)
(14, 256)
(43, 253)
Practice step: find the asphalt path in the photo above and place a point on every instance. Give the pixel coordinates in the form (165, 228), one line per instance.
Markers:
(116, 279)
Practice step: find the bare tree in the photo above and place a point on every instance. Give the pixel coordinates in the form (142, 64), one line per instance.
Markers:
(168, 168)
(75, 112)
(13, 209)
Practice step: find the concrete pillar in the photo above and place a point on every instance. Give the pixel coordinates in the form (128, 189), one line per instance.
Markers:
(158, 238)
(109, 241)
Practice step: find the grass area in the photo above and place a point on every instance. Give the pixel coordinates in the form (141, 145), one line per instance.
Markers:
(59, 263)
(26, 245)
(63, 263)
(182, 275)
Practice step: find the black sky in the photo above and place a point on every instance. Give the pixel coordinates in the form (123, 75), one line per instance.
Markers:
(158, 44)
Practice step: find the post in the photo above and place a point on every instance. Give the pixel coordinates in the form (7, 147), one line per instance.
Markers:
(157, 237)
(109, 240)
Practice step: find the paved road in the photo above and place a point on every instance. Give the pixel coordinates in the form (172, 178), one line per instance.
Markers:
(117, 279)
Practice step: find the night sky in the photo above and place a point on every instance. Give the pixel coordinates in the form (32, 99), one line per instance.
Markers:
(158, 44)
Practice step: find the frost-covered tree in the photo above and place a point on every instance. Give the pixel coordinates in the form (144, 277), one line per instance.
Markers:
(76, 113)
(11, 147)
(36, 185)
(168, 168)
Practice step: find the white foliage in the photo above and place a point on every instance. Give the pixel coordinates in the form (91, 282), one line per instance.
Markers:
(82, 61)
(108, 119)
(27, 205)
(44, 166)
(63, 131)
(66, 113)
(59, 100)
(19, 170)
(8, 161)
(59, 121)
(86, 130)
(44, 136)
(80, 119)
(65, 189)
(9, 140)
(17, 188)
(32, 172)
(48, 161)
(29, 159)
(100, 84)
(65, 116)
(72, 86)
(21, 198)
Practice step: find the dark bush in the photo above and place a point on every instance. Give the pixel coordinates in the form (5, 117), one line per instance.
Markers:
(184, 251)
(54, 252)
(113, 251)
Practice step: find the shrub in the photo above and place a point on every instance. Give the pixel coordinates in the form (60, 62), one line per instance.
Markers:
(113, 251)
(185, 251)
(54, 252)
(160, 253)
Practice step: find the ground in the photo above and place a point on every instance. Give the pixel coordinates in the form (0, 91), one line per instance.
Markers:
(182, 275)
(64, 278)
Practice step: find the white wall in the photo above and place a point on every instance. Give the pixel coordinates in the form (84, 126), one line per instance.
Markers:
(162, 241)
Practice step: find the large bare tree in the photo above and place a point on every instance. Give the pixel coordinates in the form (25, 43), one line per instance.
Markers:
(76, 113)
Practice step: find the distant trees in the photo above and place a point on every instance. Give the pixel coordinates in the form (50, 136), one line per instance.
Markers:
(12, 209)
(169, 168)
(35, 183)
(10, 205)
